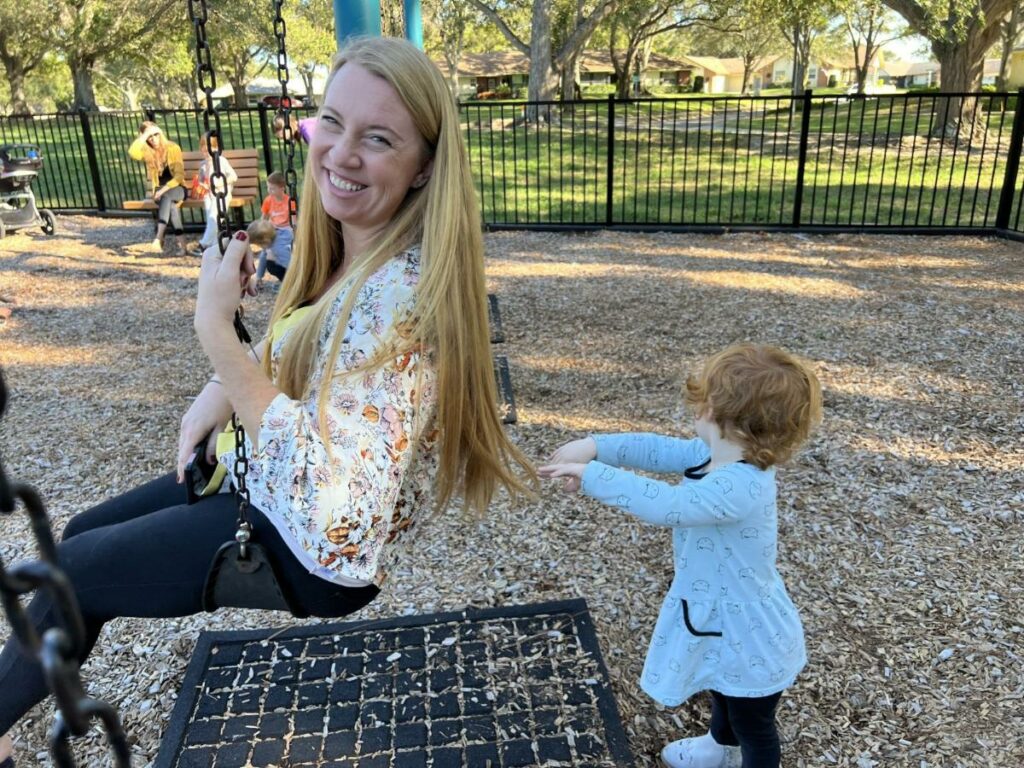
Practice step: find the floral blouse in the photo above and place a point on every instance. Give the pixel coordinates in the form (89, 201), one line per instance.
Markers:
(342, 513)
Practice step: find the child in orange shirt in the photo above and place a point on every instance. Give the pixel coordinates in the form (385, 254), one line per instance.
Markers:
(276, 258)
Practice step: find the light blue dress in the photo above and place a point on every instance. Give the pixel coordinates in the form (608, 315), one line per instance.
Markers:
(727, 623)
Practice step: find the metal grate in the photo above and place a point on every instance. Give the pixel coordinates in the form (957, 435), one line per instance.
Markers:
(521, 686)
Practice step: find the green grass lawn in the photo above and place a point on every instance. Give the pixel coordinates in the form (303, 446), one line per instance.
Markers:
(682, 161)
(673, 165)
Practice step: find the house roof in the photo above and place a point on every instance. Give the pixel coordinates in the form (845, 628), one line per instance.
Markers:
(734, 65)
(498, 63)
(712, 63)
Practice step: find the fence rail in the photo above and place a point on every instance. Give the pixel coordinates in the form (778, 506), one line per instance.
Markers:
(936, 162)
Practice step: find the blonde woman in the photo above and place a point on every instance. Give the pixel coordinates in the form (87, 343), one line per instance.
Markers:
(372, 402)
(166, 171)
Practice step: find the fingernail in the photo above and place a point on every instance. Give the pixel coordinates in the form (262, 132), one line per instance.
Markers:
(241, 236)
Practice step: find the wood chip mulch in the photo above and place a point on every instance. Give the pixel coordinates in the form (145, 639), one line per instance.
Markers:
(902, 523)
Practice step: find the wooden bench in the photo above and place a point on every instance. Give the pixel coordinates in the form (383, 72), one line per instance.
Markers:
(246, 163)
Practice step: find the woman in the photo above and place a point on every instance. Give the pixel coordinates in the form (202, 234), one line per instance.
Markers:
(372, 400)
(166, 170)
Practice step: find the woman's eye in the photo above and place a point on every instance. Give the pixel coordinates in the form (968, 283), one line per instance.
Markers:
(377, 139)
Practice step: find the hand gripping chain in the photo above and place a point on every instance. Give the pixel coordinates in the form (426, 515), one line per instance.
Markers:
(58, 647)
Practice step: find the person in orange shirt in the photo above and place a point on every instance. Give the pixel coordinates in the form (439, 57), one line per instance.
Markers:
(276, 258)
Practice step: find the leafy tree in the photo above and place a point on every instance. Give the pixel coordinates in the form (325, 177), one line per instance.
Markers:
(310, 39)
(449, 21)
(746, 32)
(960, 33)
(90, 31)
(162, 74)
(869, 24)
(801, 23)
(547, 58)
(635, 24)
(25, 41)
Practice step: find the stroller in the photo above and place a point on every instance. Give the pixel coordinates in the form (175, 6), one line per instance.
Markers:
(19, 166)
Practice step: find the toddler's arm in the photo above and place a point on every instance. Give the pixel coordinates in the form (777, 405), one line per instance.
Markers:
(651, 452)
(721, 497)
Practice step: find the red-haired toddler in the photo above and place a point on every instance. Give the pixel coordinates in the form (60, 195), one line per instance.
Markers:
(727, 625)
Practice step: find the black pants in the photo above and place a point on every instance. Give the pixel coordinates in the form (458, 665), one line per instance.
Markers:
(748, 724)
(139, 554)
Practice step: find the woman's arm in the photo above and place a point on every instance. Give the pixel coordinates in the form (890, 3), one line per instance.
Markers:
(137, 150)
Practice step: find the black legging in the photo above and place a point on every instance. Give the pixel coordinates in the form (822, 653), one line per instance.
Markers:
(136, 556)
(748, 724)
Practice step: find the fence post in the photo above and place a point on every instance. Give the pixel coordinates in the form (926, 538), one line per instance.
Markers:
(90, 153)
(1012, 165)
(268, 156)
(801, 164)
(611, 161)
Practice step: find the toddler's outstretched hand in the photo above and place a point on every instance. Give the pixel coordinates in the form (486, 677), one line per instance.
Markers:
(575, 452)
(572, 472)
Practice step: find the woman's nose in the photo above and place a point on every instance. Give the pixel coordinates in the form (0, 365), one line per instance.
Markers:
(344, 151)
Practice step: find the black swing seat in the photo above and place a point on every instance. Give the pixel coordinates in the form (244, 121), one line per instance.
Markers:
(234, 581)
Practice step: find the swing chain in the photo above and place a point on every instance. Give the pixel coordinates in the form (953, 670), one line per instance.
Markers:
(204, 68)
(60, 646)
(290, 174)
(198, 13)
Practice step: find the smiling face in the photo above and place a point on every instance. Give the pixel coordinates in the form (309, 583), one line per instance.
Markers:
(366, 153)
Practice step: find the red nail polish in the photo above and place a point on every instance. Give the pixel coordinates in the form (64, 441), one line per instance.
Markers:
(241, 236)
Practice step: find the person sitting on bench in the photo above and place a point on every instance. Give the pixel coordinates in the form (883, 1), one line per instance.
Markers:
(370, 403)
(166, 171)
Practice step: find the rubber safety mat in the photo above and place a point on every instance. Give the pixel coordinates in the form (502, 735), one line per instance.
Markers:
(517, 686)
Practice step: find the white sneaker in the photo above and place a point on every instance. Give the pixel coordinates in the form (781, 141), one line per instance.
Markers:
(700, 752)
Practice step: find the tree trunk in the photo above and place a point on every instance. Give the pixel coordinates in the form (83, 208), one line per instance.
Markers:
(543, 80)
(570, 76)
(85, 92)
(16, 80)
(961, 67)
(624, 83)
(1011, 29)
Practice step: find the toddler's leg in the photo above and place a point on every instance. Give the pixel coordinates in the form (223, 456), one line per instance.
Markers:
(717, 749)
(751, 724)
(261, 267)
(210, 234)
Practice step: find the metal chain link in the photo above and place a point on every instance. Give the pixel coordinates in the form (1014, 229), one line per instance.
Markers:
(198, 14)
(291, 176)
(59, 646)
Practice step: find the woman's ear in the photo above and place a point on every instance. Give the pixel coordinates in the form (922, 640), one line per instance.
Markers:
(424, 175)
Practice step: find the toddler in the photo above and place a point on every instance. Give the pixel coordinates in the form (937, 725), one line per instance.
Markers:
(276, 258)
(727, 625)
(202, 188)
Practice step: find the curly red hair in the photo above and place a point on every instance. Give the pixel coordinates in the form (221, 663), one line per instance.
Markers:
(762, 397)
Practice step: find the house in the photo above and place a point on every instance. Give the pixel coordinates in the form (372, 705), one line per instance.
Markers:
(1016, 77)
(910, 74)
(494, 71)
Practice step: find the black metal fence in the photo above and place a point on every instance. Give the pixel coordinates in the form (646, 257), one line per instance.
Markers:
(905, 162)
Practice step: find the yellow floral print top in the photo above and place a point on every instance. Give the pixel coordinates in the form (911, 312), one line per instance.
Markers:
(343, 514)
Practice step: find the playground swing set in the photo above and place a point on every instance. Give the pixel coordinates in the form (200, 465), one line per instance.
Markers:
(241, 574)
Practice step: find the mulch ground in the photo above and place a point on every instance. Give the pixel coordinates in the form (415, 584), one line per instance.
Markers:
(902, 523)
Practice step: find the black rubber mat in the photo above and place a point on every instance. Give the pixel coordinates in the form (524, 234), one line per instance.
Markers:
(518, 686)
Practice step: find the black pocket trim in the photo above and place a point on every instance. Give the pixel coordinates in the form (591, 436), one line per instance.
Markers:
(689, 626)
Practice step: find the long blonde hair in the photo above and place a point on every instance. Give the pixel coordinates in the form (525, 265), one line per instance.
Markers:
(450, 313)
(154, 157)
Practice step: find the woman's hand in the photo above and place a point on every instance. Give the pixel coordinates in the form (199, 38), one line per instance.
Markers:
(223, 280)
(575, 452)
(572, 472)
(209, 412)
(158, 194)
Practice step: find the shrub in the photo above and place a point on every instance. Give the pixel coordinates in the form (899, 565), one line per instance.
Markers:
(698, 84)
(832, 82)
